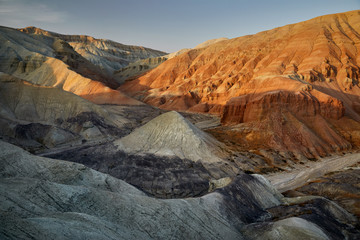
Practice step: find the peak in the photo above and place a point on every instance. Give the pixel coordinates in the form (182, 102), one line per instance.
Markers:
(32, 29)
(39, 31)
(169, 121)
(172, 115)
(172, 120)
(170, 134)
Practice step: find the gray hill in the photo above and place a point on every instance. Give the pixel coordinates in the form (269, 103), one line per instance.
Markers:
(170, 134)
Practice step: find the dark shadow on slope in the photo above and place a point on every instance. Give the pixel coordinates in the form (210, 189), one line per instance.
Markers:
(163, 177)
(321, 212)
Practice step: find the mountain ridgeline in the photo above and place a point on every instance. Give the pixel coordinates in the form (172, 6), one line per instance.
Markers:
(293, 88)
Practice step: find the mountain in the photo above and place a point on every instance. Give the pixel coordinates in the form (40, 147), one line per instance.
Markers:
(170, 134)
(49, 61)
(293, 89)
(106, 54)
(141, 66)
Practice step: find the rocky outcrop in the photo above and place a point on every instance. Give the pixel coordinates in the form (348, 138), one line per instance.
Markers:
(23, 100)
(106, 54)
(289, 121)
(313, 64)
(42, 198)
(255, 107)
(168, 157)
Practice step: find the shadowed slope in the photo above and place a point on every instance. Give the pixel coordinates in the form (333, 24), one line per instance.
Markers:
(31, 115)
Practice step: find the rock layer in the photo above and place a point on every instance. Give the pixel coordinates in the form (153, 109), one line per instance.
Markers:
(341, 187)
(33, 115)
(106, 54)
(307, 73)
(53, 62)
(170, 134)
(137, 68)
(43, 198)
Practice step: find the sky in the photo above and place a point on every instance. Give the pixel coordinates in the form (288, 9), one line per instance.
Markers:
(167, 25)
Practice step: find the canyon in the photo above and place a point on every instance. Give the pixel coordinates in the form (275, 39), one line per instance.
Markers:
(254, 137)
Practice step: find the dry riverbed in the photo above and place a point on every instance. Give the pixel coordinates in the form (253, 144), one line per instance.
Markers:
(288, 180)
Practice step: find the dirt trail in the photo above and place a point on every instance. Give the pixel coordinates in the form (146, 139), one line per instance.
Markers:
(297, 177)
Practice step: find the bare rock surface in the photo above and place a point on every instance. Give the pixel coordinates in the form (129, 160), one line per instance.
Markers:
(297, 177)
(340, 186)
(137, 68)
(106, 54)
(43, 198)
(209, 42)
(162, 177)
(167, 157)
(294, 88)
(49, 61)
(33, 116)
(64, 195)
(171, 134)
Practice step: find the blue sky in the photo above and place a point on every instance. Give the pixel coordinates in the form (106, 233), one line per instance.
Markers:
(167, 25)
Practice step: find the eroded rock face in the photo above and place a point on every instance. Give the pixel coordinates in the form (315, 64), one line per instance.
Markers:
(33, 116)
(137, 68)
(308, 70)
(49, 61)
(42, 198)
(108, 55)
(140, 67)
(159, 176)
(166, 157)
(256, 107)
(341, 187)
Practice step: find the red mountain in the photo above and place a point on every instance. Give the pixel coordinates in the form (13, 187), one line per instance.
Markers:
(293, 88)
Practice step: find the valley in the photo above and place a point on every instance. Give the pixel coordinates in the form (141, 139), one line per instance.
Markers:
(254, 137)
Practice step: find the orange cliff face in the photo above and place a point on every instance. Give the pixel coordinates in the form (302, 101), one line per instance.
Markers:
(304, 76)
